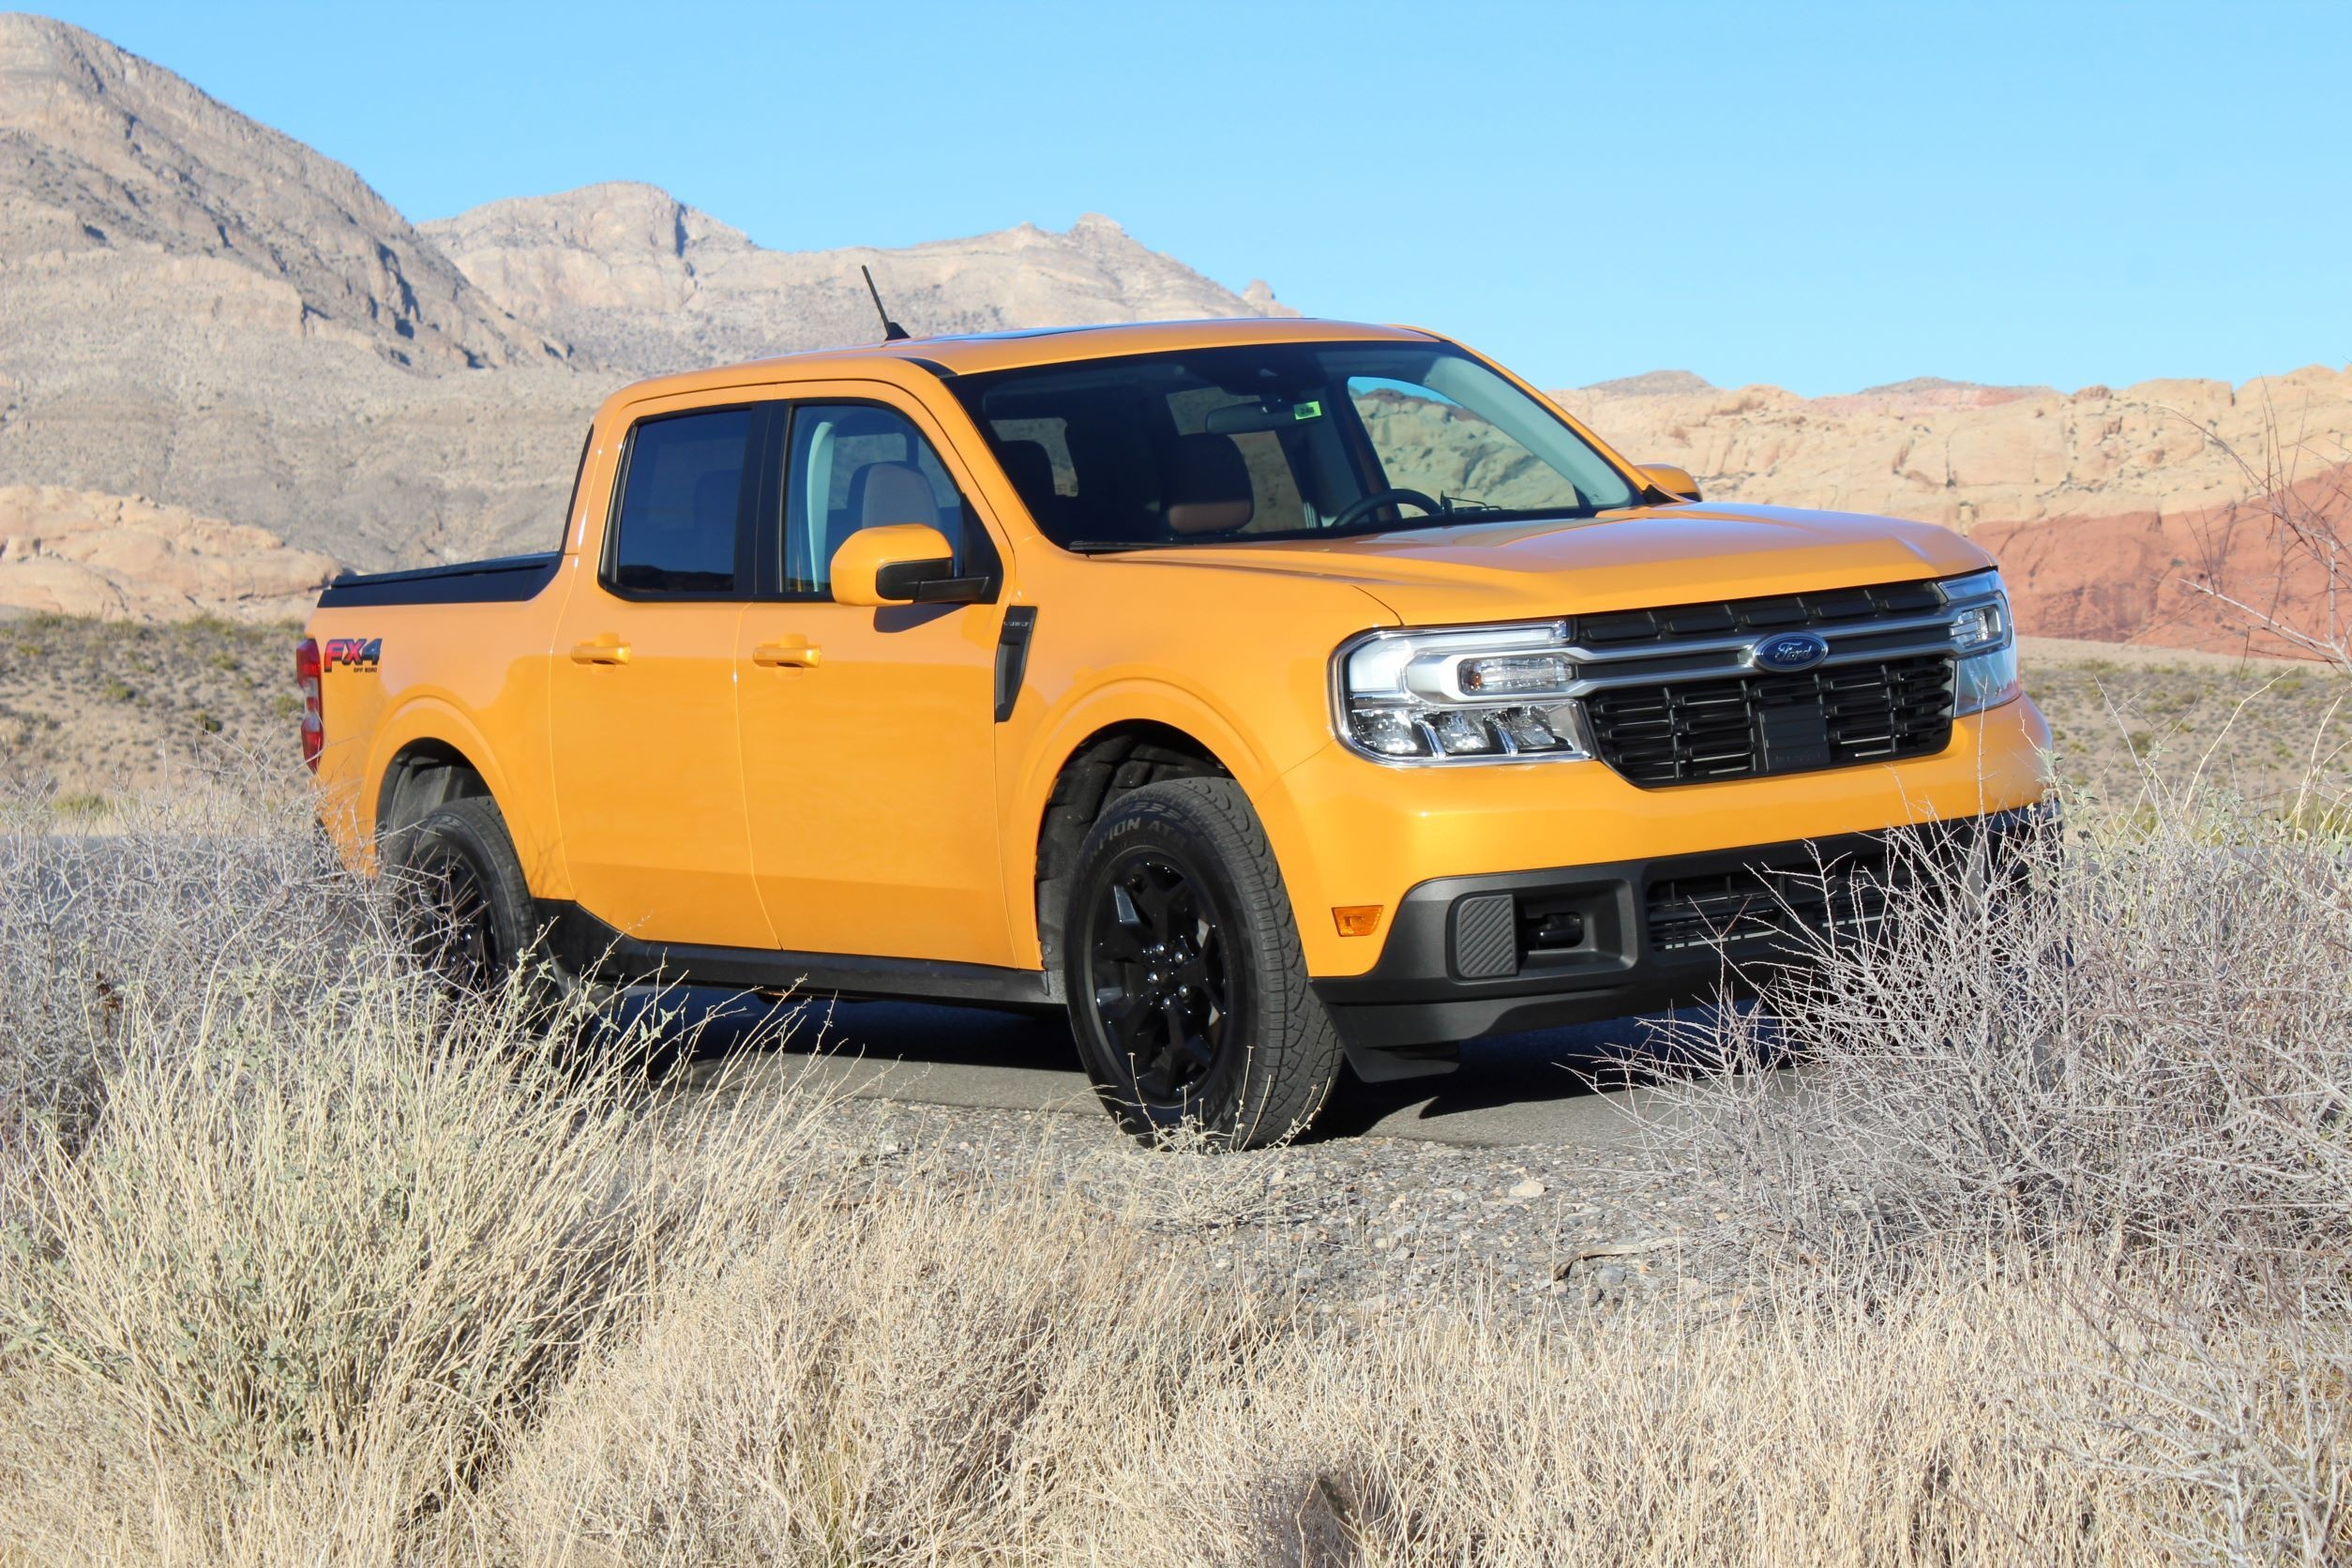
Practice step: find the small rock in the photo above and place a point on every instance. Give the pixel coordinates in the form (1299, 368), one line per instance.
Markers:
(1528, 1188)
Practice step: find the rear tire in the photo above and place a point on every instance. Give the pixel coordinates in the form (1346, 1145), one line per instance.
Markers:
(1187, 986)
(465, 907)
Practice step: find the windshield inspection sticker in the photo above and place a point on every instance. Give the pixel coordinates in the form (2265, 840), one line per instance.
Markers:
(1306, 411)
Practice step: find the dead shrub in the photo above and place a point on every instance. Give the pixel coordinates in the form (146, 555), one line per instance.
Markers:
(2142, 1040)
(303, 1265)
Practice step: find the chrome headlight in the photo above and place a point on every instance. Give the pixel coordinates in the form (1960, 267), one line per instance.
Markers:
(1484, 694)
(1986, 641)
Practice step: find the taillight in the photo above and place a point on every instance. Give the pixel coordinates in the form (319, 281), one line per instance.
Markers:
(313, 716)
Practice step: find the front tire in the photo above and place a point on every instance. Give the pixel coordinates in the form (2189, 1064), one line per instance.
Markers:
(1187, 986)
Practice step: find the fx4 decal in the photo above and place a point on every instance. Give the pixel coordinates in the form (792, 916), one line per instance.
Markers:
(359, 652)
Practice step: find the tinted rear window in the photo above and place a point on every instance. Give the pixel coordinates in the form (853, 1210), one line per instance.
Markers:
(682, 503)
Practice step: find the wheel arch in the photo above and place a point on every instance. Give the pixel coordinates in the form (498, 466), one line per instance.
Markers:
(429, 752)
(425, 772)
(1111, 761)
(1125, 737)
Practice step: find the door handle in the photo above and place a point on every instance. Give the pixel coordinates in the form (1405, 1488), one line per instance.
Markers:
(795, 653)
(605, 648)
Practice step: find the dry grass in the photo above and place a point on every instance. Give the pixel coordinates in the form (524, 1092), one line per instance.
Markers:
(103, 712)
(301, 1265)
(2264, 733)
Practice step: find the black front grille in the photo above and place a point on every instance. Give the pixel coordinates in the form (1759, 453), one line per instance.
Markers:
(1759, 725)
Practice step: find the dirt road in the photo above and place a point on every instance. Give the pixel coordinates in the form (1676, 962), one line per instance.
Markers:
(1517, 1091)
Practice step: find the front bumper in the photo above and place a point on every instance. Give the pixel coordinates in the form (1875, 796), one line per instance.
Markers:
(1496, 954)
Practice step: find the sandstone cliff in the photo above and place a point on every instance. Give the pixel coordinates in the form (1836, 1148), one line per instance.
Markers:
(1958, 455)
(78, 553)
(2101, 503)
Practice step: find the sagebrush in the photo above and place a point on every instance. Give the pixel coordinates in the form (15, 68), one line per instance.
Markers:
(2044, 1262)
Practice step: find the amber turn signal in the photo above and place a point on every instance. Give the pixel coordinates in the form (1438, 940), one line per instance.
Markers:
(1356, 920)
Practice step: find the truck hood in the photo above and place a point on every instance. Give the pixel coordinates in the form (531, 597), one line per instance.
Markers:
(1629, 560)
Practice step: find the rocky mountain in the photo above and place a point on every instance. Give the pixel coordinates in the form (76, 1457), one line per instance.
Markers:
(197, 309)
(647, 284)
(2100, 501)
(120, 175)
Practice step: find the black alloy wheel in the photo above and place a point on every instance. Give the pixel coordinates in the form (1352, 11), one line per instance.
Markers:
(467, 915)
(452, 933)
(1157, 961)
(1189, 991)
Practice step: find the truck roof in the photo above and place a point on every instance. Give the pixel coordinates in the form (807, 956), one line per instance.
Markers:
(965, 354)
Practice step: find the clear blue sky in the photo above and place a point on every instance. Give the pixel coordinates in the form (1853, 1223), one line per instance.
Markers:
(1820, 196)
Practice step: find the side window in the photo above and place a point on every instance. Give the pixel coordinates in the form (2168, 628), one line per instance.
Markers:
(681, 503)
(1427, 441)
(852, 466)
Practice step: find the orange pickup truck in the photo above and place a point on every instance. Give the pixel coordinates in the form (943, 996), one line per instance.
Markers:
(1277, 696)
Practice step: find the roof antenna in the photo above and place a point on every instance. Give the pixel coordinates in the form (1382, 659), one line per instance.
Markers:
(892, 331)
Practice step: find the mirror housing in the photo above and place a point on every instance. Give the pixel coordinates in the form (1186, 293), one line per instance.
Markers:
(1673, 481)
(903, 563)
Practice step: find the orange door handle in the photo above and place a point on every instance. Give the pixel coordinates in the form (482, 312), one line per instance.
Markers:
(606, 648)
(794, 652)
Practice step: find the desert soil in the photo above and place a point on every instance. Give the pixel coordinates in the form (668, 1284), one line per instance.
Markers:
(1343, 1225)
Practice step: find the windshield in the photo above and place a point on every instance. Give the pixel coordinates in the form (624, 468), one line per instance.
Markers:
(1282, 441)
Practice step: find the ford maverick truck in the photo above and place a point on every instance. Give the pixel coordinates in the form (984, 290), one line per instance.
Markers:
(1274, 695)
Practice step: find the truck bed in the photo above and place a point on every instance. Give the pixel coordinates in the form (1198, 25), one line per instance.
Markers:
(508, 579)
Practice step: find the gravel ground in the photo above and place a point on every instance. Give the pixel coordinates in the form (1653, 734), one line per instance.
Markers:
(1362, 1225)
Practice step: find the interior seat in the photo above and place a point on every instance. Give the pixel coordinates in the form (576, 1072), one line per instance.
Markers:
(1209, 490)
(887, 493)
(1030, 466)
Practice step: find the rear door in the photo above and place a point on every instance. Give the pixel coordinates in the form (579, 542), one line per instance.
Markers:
(869, 734)
(643, 717)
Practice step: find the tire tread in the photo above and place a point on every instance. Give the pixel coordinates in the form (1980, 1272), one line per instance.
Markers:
(1296, 1056)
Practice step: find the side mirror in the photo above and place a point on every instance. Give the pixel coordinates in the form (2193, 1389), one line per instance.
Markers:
(1676, 482)
(903, 563)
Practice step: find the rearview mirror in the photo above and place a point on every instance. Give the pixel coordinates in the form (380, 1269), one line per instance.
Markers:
(1249, 418)
(903, 563)
(1676, 482)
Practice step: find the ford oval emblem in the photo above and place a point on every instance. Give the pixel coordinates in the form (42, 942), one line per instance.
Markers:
(1788, 652)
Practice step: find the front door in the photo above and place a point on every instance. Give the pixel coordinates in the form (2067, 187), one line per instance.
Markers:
(643, 716)
(869, 735)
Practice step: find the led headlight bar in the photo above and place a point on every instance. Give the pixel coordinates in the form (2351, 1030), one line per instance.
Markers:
(1985, 638)
(1488, 694)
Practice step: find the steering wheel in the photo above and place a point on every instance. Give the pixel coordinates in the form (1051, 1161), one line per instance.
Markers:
(1355, 510)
